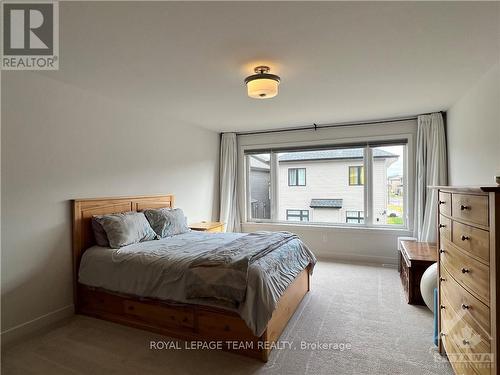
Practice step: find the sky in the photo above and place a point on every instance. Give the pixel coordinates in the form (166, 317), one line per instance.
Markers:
(396, 169)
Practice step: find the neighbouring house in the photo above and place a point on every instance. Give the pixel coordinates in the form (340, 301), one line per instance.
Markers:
(396, 184)
(260, 187)
(323, 186)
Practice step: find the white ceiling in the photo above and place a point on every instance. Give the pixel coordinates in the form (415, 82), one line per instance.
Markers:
(338, 61)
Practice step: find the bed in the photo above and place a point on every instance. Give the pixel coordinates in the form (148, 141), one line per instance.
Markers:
(101, 290)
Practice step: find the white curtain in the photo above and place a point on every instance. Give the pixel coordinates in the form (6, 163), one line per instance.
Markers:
(431, 170)
(229, 211)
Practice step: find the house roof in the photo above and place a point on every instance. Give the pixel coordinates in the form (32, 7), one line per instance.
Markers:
(326, 203)
(343, 153)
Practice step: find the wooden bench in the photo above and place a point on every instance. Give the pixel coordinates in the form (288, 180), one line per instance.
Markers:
(414, 258)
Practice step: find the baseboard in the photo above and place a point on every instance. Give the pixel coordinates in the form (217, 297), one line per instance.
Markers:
(360, 259)
(24, 330)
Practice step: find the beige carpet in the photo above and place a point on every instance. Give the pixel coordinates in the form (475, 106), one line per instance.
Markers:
(352, 304)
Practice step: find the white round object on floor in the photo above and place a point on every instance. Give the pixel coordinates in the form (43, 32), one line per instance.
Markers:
(427, 285)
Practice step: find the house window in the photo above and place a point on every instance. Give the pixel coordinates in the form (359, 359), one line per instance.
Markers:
(297, 215)
(355, 217)
(296, 177)
(378, 169)
(356, 175)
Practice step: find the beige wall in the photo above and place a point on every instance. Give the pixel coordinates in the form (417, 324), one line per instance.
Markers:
(60, 142)
(473, 127)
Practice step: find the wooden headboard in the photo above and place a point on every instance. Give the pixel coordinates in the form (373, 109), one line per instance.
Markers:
(84, 209)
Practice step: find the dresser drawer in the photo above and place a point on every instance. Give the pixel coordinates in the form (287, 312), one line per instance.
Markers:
(465, 343)
(445, 227)
(471, 208)
(466, 362)
(473, 240)
(473, 311)
(445, 203)
(472, 274)
(457, 360)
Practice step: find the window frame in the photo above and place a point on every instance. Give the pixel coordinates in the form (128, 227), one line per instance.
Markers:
(359, 175)
(297, 176)
(368, 143)
(360, 217)
(301, 215)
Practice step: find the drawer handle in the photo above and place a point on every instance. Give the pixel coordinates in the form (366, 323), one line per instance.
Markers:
(442, 279)
(462, 207)
(442, 202)
(442, 307)
(466, 342)
(442, 251)
(464, 237)
(442, 334)
(465, 270)
(464, 306)
(442, 226)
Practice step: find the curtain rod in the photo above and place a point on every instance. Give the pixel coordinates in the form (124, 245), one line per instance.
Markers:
(337, 125)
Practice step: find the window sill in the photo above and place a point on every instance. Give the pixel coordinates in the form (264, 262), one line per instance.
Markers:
(334, 227)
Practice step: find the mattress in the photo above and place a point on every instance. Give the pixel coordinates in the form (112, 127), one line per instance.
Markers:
(156, 269)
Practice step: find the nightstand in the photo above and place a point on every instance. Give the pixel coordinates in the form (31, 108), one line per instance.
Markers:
(208, 226)
(414, 258)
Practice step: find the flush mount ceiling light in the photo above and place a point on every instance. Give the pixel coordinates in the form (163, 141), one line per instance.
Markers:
(262, 85)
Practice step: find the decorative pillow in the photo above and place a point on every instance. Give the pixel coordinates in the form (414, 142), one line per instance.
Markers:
(167, 222)
(126, 228)
(101, 238)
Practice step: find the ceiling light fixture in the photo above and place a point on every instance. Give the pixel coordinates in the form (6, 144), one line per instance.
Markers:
(262, 85)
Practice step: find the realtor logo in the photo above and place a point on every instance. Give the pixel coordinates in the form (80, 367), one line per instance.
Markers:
(30, 36)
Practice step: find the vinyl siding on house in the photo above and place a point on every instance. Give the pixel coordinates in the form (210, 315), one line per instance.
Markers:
(329, 179)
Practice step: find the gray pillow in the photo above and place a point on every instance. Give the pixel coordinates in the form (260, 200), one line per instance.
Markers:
(101, 238)
(126, 228)
(167, 222)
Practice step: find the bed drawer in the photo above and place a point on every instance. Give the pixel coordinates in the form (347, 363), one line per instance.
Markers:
(91, 299)
(161, 315)
(445, 203)
(472, 240)
(475, 312)
(445, 227)
(229, 328)
(471, 208)
(473, 275)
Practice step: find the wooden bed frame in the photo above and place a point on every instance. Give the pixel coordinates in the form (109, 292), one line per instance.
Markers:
(183, 321)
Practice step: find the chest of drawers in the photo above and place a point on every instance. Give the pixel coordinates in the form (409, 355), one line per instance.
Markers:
(468, 226)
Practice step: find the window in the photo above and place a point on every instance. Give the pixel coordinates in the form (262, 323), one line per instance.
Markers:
(373, 194)
(297, 215)
(296, 177)
(355, 217)
(356, 175)
(388, 185)
(259, 177)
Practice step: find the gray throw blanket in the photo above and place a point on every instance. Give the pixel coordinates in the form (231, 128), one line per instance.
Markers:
(222, 273)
